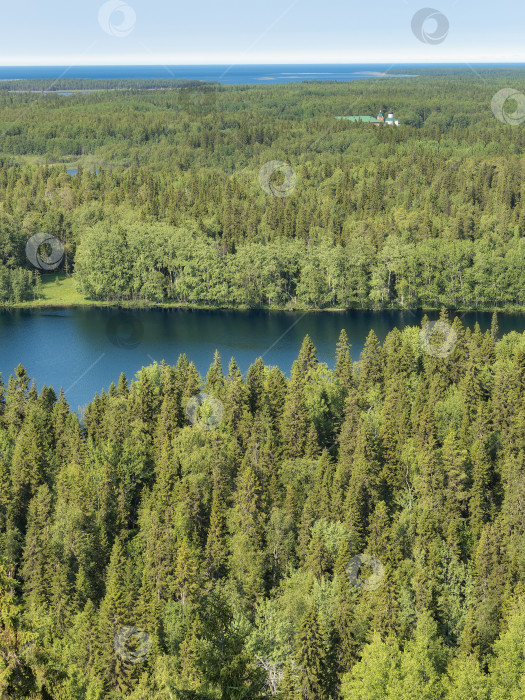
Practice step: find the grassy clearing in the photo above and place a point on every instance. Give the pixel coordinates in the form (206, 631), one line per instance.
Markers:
(58, 290)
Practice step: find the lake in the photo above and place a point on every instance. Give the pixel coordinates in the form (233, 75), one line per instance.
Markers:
(84, 350)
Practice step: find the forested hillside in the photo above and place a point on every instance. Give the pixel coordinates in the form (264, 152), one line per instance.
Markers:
(167, 205)
(170, 546)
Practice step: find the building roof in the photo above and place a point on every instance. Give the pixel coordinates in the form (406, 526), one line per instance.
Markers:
(372, 120)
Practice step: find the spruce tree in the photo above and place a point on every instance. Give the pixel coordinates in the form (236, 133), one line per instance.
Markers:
(247, 559)
(344, 371)
(17, 644)
(313, 680)
(255, 386)
(115, 614)
(295, 427)
(216, 548)
(215, 378)
(371, 364)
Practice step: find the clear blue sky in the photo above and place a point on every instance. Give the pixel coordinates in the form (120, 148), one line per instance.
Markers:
(66, 32)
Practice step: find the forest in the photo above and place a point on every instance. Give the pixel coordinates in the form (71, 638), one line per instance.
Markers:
(164, 202)
(355, 533)
(67, 84)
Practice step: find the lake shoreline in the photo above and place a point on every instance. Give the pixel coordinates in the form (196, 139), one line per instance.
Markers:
(59, 292)
(148, 306)
(85, 349)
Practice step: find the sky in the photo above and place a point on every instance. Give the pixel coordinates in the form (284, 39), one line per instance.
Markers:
(173, 32)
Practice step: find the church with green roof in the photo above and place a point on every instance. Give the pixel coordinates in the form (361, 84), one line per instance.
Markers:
(380, 119)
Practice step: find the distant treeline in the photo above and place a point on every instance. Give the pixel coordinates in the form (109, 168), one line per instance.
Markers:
(431, 213)
(65, 84)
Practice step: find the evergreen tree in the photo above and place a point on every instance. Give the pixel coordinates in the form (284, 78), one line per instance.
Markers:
(247, 561)
(17, 644)
(312, 663)
(216, 547)
(215, 378)
(115, 614)
(255, 386)
(295, 419)
(343, 362)
(371, 364)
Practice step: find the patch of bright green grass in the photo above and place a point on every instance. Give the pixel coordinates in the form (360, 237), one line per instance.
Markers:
(58, 290)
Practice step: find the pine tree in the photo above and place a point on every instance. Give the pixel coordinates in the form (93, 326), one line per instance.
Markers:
(187, 580)
(216, 548)
(364, 486)
(312, 663)
(192, 382)
(344, 371)
(489, 574)
(255, 386)
(347, 646)
(189, 654)
(16, 397)
(480, 491)
(295, 419)
(115, 613)
(236, 398)
(274, 396)
(307, 359)
(122, 386)
(455, 466)
(215, 378)
(247, 560)
(347, 443)
(32, 463)
(394, 432)
(371, 364)
(38, 560)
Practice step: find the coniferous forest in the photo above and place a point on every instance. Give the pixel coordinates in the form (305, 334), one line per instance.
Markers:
(167, 204)
(346, 533)
(338, 534)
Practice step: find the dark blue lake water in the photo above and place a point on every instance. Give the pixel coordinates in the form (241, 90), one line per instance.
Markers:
(84, 350)
(230, 74)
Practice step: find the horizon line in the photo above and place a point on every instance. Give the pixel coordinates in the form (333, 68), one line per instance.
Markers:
(456, 62)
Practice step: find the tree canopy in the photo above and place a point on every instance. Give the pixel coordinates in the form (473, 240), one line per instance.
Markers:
(355, 533)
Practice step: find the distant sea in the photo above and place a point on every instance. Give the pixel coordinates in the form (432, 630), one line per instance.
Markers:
(231, 75)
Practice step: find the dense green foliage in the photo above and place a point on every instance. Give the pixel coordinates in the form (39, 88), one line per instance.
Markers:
(167, 205)
(226, 543)
(67, 84)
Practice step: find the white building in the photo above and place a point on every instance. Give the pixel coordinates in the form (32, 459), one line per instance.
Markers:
(390, 120)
